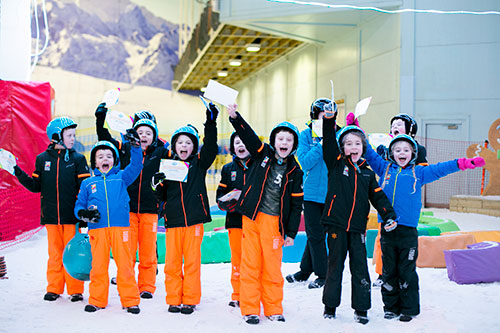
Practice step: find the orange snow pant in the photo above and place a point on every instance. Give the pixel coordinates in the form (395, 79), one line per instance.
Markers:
(58, 236)
(235, 245)
(183, 286)
(117, 240)
(261, 279)
(143, 228)
(377, 253)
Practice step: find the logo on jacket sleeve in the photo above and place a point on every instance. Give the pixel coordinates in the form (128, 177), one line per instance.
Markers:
(93, 188)
(264, 162)
(233, 176)
(346, 171)
(47, 165)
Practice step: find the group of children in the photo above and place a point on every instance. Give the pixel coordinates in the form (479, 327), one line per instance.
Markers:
(120, 204)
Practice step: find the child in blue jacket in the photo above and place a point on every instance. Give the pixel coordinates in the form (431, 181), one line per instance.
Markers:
(103, 202)
(402, 181)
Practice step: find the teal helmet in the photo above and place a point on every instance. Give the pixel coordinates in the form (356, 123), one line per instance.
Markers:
(410, 140)
(77, 257)
(349, 129)
(191, 132)
(149, 123)
(104, 145)
(289, 127)
(57, 126)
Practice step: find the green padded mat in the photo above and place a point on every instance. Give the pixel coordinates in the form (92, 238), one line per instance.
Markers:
(444, 225)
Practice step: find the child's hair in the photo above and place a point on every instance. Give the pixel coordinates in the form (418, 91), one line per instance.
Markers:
(355, 130)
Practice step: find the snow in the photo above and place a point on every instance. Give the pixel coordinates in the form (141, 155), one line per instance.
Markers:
(445, 305)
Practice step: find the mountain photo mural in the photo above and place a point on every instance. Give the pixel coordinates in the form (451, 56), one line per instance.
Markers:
(109, 39)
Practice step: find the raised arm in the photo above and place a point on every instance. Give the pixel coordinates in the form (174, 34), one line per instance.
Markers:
(245, 132)
(103, 133)
(133, 170)
(377, 163)
(331, 150)
(209, 150)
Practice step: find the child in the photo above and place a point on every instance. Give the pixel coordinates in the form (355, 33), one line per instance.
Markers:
(58, 174)
(185, 209)
(402, 180)
(143, 205)
(103, 201)
(234, 176)
(310, 154)
(271, 203)
(351, 189)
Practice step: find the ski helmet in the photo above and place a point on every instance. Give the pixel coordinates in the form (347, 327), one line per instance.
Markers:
(57, 126)
(144, 114)
(407, 138)
(191, 132)
(289, 127)
(350, 129)
(320, 105)
(104, 145)
(149, 123)
(410, 123)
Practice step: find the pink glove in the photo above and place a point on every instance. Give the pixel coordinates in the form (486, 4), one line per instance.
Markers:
(470, 163)
(350, 120)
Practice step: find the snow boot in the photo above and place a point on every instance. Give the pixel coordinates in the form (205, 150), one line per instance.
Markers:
(76, 298)
(113, 280)
(92, 308)
(276, 317)
(251, 319)
(146, 295)
(318, 283)
(187, 309)
(133, 309)
(234, 304)
(329, 312)
(297, 277)
(50, 297)
(361, 317)
(390, 315)
(174, 308)
(405, 318)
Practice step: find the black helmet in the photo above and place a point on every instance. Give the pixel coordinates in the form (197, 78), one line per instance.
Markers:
(320, 105)
(410, 123)
(144, 114)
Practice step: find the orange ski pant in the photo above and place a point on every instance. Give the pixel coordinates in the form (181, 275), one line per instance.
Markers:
(117, 240)
(377, 253)
(143, 228)
(261, 279)
(183, 284)
(235, 235)
(58, 236)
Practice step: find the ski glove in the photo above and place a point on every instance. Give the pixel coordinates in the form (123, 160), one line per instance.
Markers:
(157, 180)
(90, 215)
(212, 112)
(390, 225)
(228, 206)
(133, 137)
(470, 163)
(101, 111)
(382, 151)
(351, 120)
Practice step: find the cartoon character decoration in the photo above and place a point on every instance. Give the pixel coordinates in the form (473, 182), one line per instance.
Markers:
(491, 157)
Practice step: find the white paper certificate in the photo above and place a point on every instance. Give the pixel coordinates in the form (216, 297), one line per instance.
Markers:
(175, 170)
(7, 161)
(220, 93)
(111, 97)
(117, 121)
(377, 139)
(317, 128)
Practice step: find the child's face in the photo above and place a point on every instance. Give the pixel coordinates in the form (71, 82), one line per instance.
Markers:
(353, 146)
(402, 152)
(184, 146)
(283, 143)
(104, 160)
(146, 135)
(398, 127)
(240, 149)
(68, 136)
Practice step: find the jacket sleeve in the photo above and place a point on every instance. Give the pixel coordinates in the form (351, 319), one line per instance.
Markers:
(82, 170)
(33, 183)
(331, 151)
(81, 201)
(224, 184)
(422, 156)
(209, 151)
(433, 172)
(133, 170)
(379, 200)
(309, 156)
(247, 135)
(377, 163)
(296, 202)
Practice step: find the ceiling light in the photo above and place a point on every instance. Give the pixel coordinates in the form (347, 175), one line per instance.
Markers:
(235, 62)
(222, 73)
(253, 47)
(203, 89)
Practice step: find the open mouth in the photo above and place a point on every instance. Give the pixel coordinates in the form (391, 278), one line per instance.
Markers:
(402, 160)
(241, 150)
(396, 133)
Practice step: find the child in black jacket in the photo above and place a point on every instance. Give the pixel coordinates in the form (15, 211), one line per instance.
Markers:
(233, 177)
(271, 203)
(351, 189)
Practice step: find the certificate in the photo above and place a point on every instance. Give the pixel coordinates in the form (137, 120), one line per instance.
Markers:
(233, 195)
(175, 170)
(220, 93)
(111, 97)
(117, 121)
(317, 128)
(7, 161)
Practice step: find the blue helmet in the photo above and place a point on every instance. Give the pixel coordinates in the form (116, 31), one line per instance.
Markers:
(287, 126)
(409, 139)
(57, 126)
(104, 145)
(346, 130)
(190, 131)
(149, 123)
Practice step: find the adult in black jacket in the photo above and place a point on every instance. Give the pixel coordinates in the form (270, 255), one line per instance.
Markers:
(233, 177)
(351, 188)
(271, 204)
(58, 174)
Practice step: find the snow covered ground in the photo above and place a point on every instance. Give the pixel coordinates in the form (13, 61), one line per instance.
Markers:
(445, 305)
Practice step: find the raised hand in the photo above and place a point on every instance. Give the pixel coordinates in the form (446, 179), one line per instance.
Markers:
(231, 110)
(133, 137)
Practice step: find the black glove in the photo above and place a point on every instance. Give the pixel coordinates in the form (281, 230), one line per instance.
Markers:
(382, 151)
(90, 215)
(101, 110)
(212, 112)
(228, 206)
(390, 225)
(133, 137)
(157, 180)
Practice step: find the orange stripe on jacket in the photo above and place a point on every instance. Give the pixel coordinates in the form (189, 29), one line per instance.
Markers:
(298, 194)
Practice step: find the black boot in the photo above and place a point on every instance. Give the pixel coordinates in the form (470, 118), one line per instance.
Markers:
(361, 317)
(50, 297)
(329, 313)
(297, 277)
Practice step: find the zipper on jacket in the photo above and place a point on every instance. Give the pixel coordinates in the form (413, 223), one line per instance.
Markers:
(182, 203)
(331, 204)
(395, 183)
(261, 192)
(57, 186)
(140, 185)
(107, 203)
(354, 200)
(203, 203)
(241, 203)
